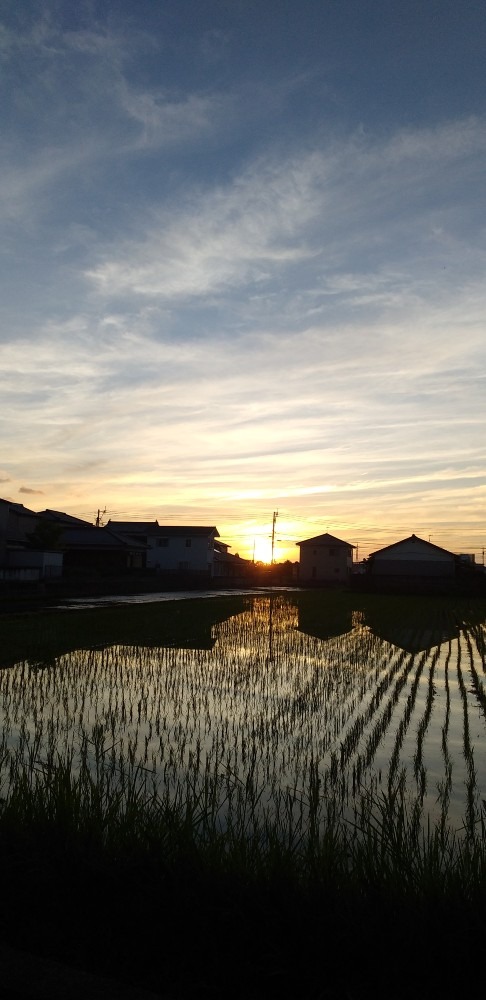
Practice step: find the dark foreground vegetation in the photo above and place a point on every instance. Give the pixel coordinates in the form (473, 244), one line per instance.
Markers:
(209, 889)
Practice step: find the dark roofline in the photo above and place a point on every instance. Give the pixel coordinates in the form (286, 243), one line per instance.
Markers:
(133, 526)
(325, 539)
(90, 537)
(19, 508)
(60, 517)
(410, 538)
(162, 530)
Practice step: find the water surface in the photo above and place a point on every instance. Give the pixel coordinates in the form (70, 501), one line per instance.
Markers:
(269, 686)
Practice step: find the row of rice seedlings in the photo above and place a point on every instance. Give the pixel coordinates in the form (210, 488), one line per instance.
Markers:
(478, 632)
(418, 765)
(476, 683)
(444, 788)
(471, 786)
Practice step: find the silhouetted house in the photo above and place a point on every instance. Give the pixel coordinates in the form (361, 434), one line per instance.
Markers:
(88, 548)
(325, 559)
(324, 626)
(20, 559)
(411, 559)
(173, 549)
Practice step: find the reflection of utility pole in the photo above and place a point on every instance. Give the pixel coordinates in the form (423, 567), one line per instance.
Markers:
(274, 521)
(99, 515)
(270, 630)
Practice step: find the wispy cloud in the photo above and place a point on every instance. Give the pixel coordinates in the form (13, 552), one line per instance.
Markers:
(360, 203)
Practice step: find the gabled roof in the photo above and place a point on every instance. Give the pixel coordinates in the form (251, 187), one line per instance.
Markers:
(325, 539)
(412, 538)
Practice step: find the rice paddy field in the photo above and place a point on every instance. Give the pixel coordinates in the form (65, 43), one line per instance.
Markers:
(305, 746)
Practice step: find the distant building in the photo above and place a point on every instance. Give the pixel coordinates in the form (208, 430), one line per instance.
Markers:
(325, 559)
(173, 549)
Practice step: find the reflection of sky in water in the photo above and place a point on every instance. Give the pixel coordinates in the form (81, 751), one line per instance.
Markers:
(263, 693)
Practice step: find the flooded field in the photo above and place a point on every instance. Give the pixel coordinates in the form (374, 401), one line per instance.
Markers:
(270, 692)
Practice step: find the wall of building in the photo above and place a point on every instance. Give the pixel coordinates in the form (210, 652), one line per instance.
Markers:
(413, 559)
(46, 564)
(181, 554)
(328, 563)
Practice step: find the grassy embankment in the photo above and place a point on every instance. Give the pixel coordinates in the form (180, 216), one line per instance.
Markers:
(102, 868)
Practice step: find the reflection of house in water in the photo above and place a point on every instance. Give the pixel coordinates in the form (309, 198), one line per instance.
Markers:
(327, 626)
(143, 625)
(419, 626)
(414, 636)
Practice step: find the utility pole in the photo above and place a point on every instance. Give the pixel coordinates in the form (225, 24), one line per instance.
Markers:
(99, 516)
(274, 521)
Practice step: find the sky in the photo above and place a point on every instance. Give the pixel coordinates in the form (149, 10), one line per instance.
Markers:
(243, 266)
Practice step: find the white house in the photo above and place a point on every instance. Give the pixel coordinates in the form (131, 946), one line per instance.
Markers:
(325, 559)
(184, 549)
(412, 557)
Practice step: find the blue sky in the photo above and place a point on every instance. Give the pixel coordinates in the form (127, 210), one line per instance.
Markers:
(243, 259)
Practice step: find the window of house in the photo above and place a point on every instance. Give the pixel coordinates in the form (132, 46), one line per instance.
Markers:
(188, 543)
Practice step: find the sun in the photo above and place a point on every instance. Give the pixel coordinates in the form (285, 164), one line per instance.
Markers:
(263, 549)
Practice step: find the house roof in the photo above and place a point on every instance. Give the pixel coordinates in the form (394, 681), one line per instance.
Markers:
(179, 530)
(61, 518)
(325, 539)
(411, 538)
(134, 527)
(162, 530)
(91, 537)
